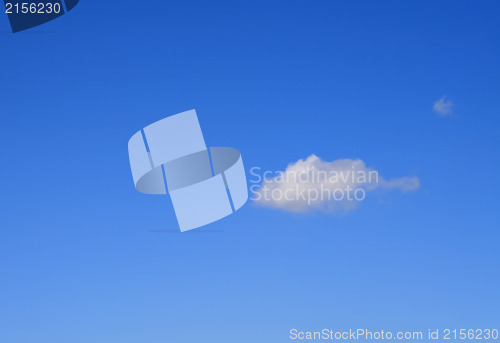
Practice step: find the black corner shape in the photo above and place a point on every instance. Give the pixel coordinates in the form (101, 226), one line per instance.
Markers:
(70, 4)
(26, 14)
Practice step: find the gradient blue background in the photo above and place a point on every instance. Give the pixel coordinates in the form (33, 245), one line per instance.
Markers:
(86, 258)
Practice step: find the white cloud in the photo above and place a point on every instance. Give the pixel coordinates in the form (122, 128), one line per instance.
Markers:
(443, 106)
(317, 185)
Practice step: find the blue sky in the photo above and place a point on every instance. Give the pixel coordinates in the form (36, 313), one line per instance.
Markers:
(86, 258)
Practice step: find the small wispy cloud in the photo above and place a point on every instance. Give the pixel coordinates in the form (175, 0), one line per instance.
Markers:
(443, 106)
(313, 184)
